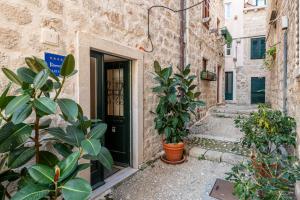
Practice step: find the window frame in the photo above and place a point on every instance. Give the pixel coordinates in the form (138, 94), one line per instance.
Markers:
(257, 1)
(204, 64)
(261, 55)
(228, 49)
(206, 11)
(228, 5)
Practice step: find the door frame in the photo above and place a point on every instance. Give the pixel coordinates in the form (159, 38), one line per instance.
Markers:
(219, 84)
(251, 82)
(87, 42)
(226, 85)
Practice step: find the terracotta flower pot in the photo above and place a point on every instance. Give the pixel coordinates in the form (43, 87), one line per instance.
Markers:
(174, 152)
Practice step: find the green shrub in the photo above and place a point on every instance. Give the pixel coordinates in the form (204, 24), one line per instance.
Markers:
(272, 171)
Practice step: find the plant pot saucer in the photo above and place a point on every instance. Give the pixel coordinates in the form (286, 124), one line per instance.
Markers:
(163, 158)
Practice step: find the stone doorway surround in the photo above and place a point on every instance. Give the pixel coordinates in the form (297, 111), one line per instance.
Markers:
(84, 44)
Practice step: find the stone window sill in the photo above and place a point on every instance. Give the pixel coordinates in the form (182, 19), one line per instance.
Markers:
(254, 8)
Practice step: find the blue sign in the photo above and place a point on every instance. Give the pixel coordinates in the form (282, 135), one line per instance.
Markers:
(54, 62)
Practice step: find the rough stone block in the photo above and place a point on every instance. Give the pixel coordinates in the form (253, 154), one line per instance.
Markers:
(213, 155)
(19, 15)
(232, 158)
(55, 6)
(197, 152)
(9, 38)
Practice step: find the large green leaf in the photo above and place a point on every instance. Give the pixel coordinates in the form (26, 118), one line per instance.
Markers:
(20, 157)
(68, 66)
(98, 131)
(3, 98)
(172, 98)
(69, 108)
(76, 189)
(48, 86)
(157, 67)
(105, 158)
(42, 173)
(40, 79)
(60, 134)
(12, 136)
(12, 76)
(75, 134)
(68, 165)
(62, 149)
(31, 192)
(44, 65)
(16, 103)
(4, 94)
(33, 65)
(5, 101)
(21, 114)
(48, 158)
(45, 105)
(26, 75)
(91, 146)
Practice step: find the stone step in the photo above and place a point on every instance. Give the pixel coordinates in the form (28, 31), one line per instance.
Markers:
(216, 156)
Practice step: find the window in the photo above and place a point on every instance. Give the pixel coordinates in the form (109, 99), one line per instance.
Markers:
(228, 49)
(205, 12)
(228, 10)
(261, 2)
(206, 8)
(258, 48)
(204, 62)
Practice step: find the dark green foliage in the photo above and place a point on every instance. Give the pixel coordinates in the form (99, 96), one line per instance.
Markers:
(272, 170)
(267, 130)
(177, 100)
(24, 117)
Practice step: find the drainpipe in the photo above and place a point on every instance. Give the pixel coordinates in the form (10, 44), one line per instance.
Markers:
(181, 38)
(285, 62)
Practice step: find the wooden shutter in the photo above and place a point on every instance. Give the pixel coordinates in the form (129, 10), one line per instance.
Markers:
(258, 48)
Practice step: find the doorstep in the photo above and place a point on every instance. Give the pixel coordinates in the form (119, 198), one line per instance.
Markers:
(111, 181)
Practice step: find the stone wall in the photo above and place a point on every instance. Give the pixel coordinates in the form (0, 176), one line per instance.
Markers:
(21, 22)
(276, 37)
(204, 43)
(253, 26)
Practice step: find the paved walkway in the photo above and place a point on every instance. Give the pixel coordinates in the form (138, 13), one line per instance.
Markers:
(211, 156)
(192, 180)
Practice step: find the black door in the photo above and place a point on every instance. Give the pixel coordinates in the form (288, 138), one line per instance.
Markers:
(117, 101)
(110, 102)
(228, 85)
(258, 90)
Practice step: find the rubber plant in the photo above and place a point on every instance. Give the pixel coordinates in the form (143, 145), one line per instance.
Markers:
(177, 100)
(26, 136)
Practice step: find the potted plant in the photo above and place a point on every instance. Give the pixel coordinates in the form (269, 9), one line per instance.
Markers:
(273, 169)
(270, 57)
(35, 170)
(177, 101)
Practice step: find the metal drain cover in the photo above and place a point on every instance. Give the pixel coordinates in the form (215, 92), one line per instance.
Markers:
(223, 190)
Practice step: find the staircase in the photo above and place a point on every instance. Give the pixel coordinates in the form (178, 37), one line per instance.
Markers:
(216, 138)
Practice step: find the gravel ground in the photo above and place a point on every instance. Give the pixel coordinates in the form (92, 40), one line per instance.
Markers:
(192, 180)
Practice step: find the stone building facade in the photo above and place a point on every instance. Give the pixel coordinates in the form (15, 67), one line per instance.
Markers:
(246, 22)
(115, 28)
(275, 37)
